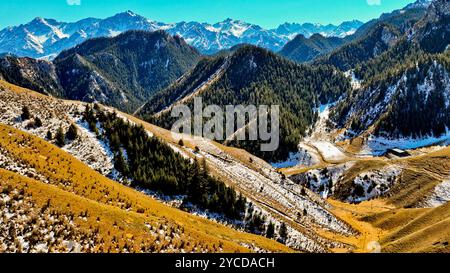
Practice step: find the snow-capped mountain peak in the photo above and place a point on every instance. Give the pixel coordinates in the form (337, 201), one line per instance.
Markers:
(233, 27)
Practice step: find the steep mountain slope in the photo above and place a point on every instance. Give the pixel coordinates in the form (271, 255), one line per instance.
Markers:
(75, 209)
(404, 98)
(255, 76)
(123, 71)
(419, 4)
(428, 35)
(46, 38)
(375, 37)
(388, 229)
(378, 40)
(35, 74)
(409, 101)
(433, 31)
(302, 49)
(418, 181)
(403, 19)
(422, 231)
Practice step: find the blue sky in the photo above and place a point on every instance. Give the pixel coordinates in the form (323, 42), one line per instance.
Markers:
(266, 13)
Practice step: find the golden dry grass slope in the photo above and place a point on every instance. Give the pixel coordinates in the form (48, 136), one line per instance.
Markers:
(401, 221)
(62, 194)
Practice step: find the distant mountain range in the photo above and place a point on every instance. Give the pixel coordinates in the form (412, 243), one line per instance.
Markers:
(46, 38)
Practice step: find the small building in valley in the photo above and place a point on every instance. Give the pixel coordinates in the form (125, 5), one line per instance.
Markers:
(397, 152)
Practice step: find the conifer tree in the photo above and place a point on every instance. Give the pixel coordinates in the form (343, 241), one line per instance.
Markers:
(26, 115)
(270, 232)
(60, 137)
(37, 122)
(283, 232)
(72, 133)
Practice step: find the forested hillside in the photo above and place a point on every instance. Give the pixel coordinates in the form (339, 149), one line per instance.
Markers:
(405, 90)
(256, 76)
(410, 99)
(377, 41)
(123, 71)
(433, 31)
(30, 73)
(374, 37)
(302, 49)
(150, 164)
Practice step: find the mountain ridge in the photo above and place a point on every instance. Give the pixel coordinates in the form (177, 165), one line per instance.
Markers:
(345, 52)
(254, 76)
(121, 71)
(45, 38)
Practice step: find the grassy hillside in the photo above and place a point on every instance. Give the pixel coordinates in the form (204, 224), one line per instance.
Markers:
(232, 166)
(414, 230)
(122, 218)
(387, 229)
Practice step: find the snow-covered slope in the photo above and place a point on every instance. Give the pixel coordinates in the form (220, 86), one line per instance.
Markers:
(46, 38)
(408, 110)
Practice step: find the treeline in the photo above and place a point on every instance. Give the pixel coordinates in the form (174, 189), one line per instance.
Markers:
(153, 165)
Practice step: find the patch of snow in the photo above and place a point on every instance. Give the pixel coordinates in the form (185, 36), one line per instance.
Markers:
(440, 196)
(379, 145)
(114, 33)
(354, 81)
(329, 151)
(293, 160)
(374, 183)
